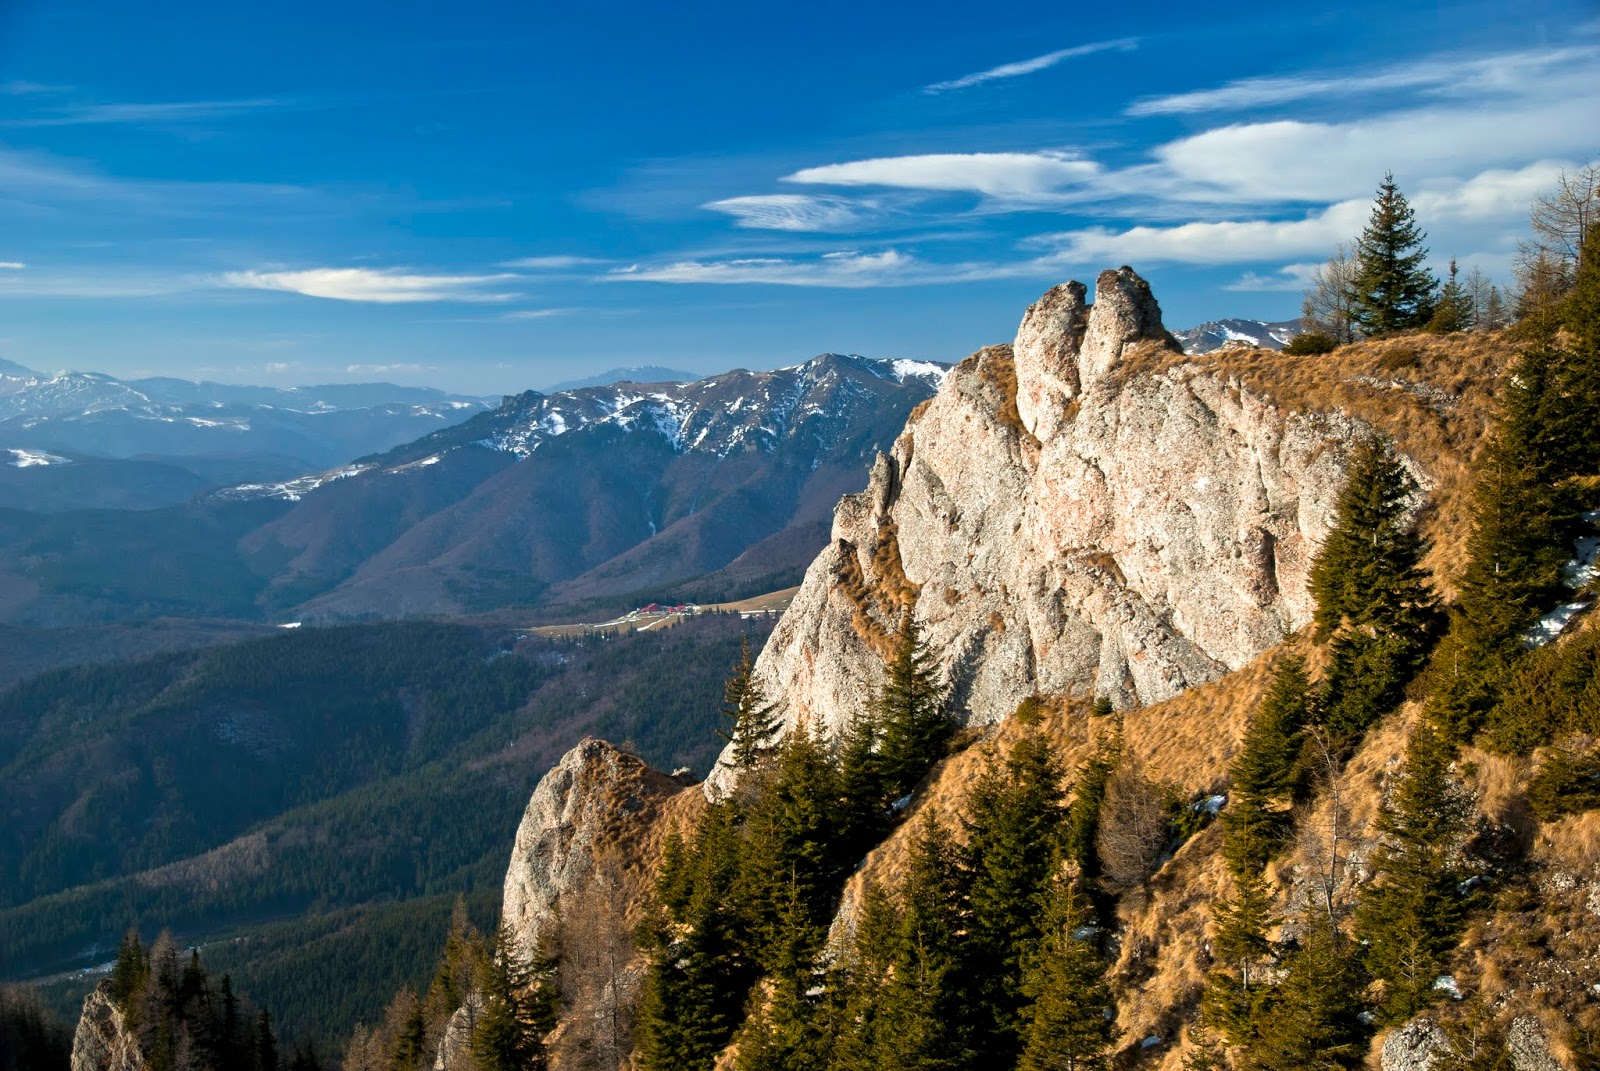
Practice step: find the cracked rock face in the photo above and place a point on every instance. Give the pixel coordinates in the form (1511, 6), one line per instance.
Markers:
(102, 1041)
(1065, 517)
(592, 801)
(1416, 1046)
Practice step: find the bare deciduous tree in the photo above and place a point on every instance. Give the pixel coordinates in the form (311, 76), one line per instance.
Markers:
(1133, 830)
(600, 975)
(1323, 841)
(1328, 307)
(1546, 262)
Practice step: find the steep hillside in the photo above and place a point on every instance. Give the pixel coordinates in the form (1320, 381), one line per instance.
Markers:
(1087, 521)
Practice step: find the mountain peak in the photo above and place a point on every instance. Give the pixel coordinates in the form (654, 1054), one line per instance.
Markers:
(1215, 334)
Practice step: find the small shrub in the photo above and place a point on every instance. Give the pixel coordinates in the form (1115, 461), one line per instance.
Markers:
(1310, 343)
(1567, 782)
(1028, 711)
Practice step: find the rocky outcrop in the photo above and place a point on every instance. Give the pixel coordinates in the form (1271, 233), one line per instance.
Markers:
(1416, 1046)
(1082, 512)
(455, 1046)
(584, 819)
(102, 1041)
(1528, 1046)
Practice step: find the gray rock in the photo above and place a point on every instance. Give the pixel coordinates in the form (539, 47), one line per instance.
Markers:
(455, 1046)
(1416, 1046)
(1528, 1046)
(102, 1042)
(593, 796)
(1101, 531)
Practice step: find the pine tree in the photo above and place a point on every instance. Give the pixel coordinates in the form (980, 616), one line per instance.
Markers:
(753, 724)
(1013, 821)
(911, 715)
(700, 969)
(508, 1034)
(1454, 310)
(1234, 999)
(1372, 592)
(790, 841)
(924, 1006)
(1262, 776)
(794, 1029)
(1067, 1025)
(1391, 290)
(129, 974)
(1313, 1022)
(863, 807)
(1411, 913)
(1081, 835)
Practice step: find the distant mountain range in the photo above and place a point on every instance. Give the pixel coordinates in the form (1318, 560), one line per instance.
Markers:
(719, 487)
(1218, 333)
(91, 440)
(642, 373)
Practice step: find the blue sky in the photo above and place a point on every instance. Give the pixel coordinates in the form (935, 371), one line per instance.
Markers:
(488, 197)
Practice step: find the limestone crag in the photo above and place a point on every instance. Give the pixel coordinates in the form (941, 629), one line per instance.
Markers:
(585, 809)
(1081, 512)
(455, 1047)
(1417, 1046)
(102, 1041)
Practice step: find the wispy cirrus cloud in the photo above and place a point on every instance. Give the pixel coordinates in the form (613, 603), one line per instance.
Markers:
(1031, 66)
(552, 263)
(379, 286)
(12, 265)
(403, 367)
(1455, 76)
(1006, 176)
(795, 212)
(847, 269)
(142, 114)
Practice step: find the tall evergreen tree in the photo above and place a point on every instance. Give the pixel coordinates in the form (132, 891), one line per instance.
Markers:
(1234, 997)
(518, 1009)
(913, 721)
(701, 969)
(752, 721)
(1411, 913)
(1391, 290)
(1067, 1026)
(1313, 1022)
(924, 1006)
(1081, 835)
(1013, 819)
(1262, 775)
(1372, 592)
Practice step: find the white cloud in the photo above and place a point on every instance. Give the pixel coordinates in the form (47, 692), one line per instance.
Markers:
(1225, 242)
(1515, 71)
(538, 314)
(369, 285)
(137, 114)
(551, 263)
(1291, 160)
(386, 369)
(11, 265)
(1008, 176)
(276, 368)
(794, 212)
(1290, 277)
(847, 269)
(1030, 66)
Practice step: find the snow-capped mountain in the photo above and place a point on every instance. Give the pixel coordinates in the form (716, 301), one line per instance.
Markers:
(577, 498)
(639, 373)
(1218, 333)
(96, 415)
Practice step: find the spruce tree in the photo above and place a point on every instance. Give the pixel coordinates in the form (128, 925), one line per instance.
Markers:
(752, 722)
(924, 1005)
(1067, 1026)
(794, 1029)
(913, 721)
(1262, 776)
(1454, 310)
(1372, 592)
(1013, 819)
(700, 968)
(1411, 913)
(1081, 835)
(1391, 290)
(1313, 1022)
(863, 807)
(791, 841)
(1234, 997)
(508, 1034)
